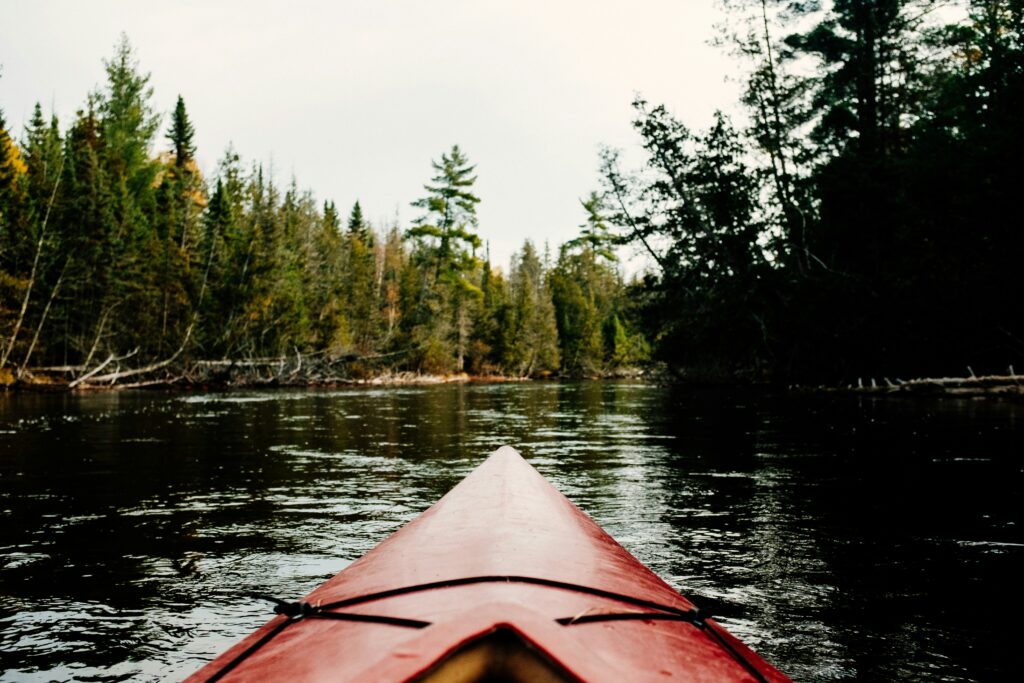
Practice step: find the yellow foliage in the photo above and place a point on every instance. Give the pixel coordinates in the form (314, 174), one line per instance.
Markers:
(13, 165)
(168, 168)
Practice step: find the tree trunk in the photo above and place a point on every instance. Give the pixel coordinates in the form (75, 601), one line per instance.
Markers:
(34, 272)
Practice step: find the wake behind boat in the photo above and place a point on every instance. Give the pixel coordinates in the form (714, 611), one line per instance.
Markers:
(503, 579)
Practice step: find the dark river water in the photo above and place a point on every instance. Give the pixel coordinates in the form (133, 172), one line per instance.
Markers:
(841, 537)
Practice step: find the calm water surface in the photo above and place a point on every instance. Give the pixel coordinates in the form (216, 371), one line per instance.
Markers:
(843, 538)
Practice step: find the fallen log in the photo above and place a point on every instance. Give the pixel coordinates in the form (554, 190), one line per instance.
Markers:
(92, 374)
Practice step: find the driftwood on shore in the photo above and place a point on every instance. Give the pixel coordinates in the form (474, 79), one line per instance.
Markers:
(1010, 385)
(298, 369)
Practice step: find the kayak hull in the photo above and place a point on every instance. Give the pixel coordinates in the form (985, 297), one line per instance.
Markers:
(503, 560)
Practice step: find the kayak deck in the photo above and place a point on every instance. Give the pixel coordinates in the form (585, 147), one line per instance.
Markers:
(502, 579)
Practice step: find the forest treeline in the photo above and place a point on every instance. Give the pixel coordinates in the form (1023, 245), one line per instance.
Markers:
(859, 216)
(854, 216)
(119, 263)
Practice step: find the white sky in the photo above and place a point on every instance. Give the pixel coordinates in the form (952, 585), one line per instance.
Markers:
(356, 98)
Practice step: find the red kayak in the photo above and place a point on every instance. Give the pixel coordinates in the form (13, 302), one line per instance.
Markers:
(503, 579)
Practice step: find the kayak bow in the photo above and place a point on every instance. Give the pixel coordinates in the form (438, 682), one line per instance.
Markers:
(503, 579)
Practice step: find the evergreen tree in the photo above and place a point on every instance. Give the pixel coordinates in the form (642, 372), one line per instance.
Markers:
(393, 267)
(578, 284)
(328, 282)
(532, 345)
(128, 120)
(43, 157)
(701, 199)
(362, 270)
(494, 328)
(217, 294)
(447, 244)
(450, 216)
(181, 135)
(357, 225)
(595, 233)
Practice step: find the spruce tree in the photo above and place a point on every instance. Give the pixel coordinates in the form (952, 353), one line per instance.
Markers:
(362, 294)
(532, 347)
(181, 135)
(357, 225)
(128, 119)
(43, 156)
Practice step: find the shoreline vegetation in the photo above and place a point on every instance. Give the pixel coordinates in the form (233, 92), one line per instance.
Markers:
(854, 216)
(317, 371)
(298, 370)
(121, 267)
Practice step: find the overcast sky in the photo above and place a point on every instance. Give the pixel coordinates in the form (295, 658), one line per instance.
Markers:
(356, 98)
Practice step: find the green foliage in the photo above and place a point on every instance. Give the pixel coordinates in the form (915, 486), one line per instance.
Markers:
(447, 227)
(362, 281)
(851, 245)
(589, 301)
(12, 192)
(530, 330)
(127, 118)
(445, 242)
(595, 233)
(181, 135)
(109, 247)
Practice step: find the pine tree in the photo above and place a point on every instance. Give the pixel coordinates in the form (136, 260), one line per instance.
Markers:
(595, 232)
(447, 245)
(450, 216)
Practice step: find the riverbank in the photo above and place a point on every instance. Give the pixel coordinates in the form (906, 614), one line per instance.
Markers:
(313, 371)
(230, 376)
(310, 370)
(1010, 386)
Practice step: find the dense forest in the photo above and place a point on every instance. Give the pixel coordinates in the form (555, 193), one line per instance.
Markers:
(118, 263)
(853, 217)
(857, 218)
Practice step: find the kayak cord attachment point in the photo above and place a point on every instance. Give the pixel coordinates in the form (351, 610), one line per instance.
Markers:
(289, 609)
(297, 611)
